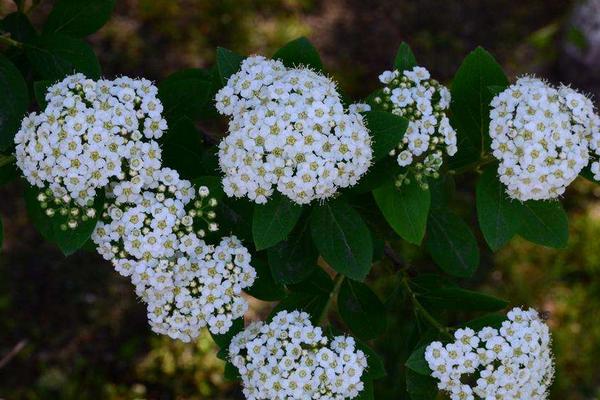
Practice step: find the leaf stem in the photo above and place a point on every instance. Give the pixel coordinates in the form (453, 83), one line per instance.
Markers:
(423, 311)
(476, 166)
(418, 307)
(7, 40)
(337, 284)
(6, 159)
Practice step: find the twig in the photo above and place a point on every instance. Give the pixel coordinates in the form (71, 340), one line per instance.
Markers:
(11, 354)
(419, 309)
(7, 40)
(337, 283)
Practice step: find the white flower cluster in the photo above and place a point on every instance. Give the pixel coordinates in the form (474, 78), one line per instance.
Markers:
(542, 137)
(514, 362)
(152, 230)
(100, 136)
(424, 102)
(89, 133)
(288, 130)
(289, 358)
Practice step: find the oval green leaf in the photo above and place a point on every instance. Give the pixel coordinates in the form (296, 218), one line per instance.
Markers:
(405, 209)
(69, 240)
(55, 55)
(13, 102)
(299, 52)
(545, 223)
(405, 58)
(273, 221)
(342, 238)
(292, 260)
(79, 18)
(386, 130)
(498, 215)
(228, 63)
(471, 105)
(361, 310)
(452, 244)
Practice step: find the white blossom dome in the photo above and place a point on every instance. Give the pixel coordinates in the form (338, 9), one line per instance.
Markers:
(542, 137)
(412, 94)
(152, 230)
(288, 131)
(201, 287)
(289, 358)
(510, 363)
(90, 133)
(145, 220)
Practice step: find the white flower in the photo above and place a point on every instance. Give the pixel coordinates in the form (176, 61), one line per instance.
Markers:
(152, 231)
(425, 103)
(200, 288)
(358, 108)
(289, 358)
(542, 136)
(288, 131)
(87, 136)
(97, 135)
(514, 362)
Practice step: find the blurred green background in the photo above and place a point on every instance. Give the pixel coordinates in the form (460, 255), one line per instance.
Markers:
(73, 329)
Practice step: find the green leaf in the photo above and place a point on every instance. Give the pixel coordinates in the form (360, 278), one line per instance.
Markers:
(292, 260)
(375, 366)
(405, 59)
(420, 387)
(8, 170)
(273, 221)
(384, 171)
(424, 283)
(223, 340)
(417, 363)
(210, 75)
(310, 296)
(185, 94)
(405, 209)
(69, 240)
(182, 149)
(14, 99)
(491, 320)
(265, 288)
(471, 105)
(317, 283)
(55, 55)
(368, 392)
(40, 88)
(498, 215)
(386, 130)
(19, 27)
(342, 238)
(79, 18)
(231, 374)
(228, 63)
(457, 299)
(442, 190)
(361, 310)
(545, 223)
(299, 52)
(235, 216)
(452, 244)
